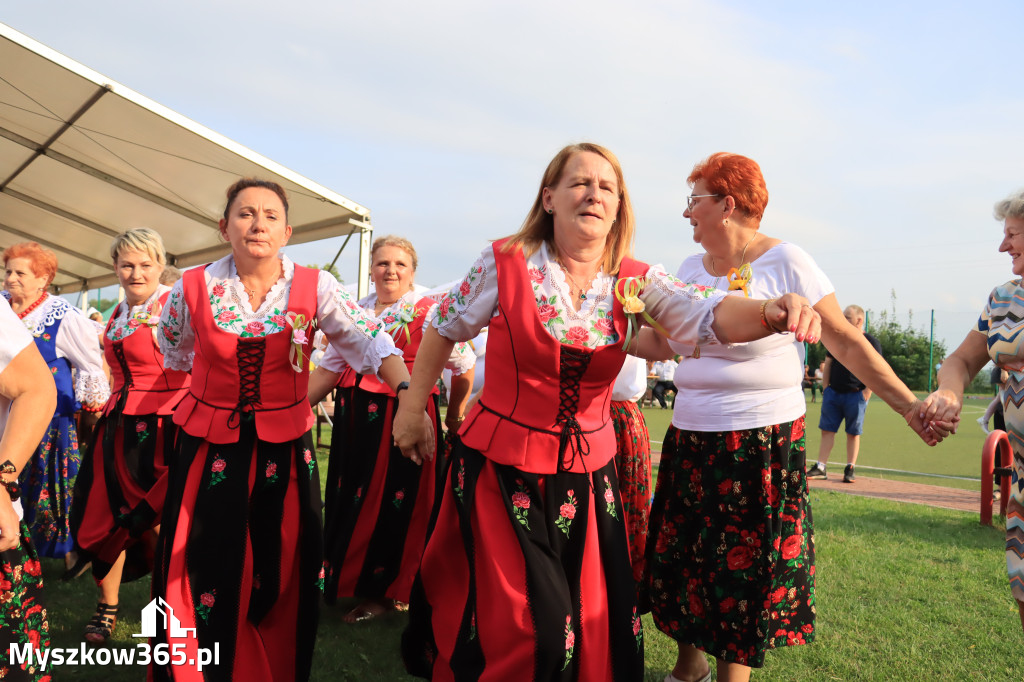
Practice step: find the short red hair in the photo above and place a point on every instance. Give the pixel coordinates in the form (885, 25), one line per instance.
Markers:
(736, 176)
(44, 261)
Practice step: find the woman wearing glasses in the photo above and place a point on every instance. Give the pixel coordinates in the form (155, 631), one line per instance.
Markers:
(731, 572)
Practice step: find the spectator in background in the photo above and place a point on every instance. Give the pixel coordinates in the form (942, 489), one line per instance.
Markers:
(170, 275)
(844, 398)
(666, 373)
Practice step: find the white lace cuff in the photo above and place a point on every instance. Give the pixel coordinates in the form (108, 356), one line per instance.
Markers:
(179, 361)
(91, 389)
(381, 347)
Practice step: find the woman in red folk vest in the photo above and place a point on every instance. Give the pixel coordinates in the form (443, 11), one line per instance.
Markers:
(119, 494)
(526, 572)
(378, 502)
(240, 555)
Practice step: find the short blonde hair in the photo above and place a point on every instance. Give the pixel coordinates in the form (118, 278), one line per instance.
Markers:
(396, 241)
(539, 225)
(139, 239)
(1010, 207)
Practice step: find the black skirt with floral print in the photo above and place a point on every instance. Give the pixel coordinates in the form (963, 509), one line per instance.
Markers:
(731, 565)
(22, 611)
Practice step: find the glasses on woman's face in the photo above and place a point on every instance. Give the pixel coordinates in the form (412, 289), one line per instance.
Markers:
(692, 199)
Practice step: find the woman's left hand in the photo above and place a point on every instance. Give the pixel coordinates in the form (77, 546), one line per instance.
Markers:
(930, 431)
(452, 422)
(794, 313)
(413, 433)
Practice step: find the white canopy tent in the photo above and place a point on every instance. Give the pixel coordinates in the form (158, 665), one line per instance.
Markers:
(83, 158)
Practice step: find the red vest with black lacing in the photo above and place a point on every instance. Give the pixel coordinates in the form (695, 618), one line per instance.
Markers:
(545, 405)
(141, 385)
(236, 378)
(409, 346)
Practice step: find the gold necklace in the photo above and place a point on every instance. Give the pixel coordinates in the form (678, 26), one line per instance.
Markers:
(714, 270)
(572, 280)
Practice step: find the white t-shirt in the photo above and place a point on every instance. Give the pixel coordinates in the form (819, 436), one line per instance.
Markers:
(748, 385)
(14, 338)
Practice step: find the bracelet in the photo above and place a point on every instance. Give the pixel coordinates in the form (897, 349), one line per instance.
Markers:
(457, 420)
(764, 317)
(401, 387)
(92, 410)
(12, 487)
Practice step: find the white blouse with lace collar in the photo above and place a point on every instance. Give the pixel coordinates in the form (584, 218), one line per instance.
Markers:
(686, 311)
(459, 362)
(78, 341)
(128, 319)
(345, 324)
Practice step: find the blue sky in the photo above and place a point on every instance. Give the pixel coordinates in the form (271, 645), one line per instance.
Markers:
(886, 131)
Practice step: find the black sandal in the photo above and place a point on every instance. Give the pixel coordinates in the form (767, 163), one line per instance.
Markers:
(101, 625)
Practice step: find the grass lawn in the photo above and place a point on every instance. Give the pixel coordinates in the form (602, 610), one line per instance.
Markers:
(904, 592)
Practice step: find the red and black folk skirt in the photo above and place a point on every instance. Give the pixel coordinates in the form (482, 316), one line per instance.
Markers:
(633, 465)
(240, 557)
(731, 569)
(525, 576)
(378, 502)
(120, 490)
(22, 611)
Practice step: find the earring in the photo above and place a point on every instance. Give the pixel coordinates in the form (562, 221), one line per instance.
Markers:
(551, 211)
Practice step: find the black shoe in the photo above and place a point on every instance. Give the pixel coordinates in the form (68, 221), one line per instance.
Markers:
(848, 476)
(81, 566)
(817, 471)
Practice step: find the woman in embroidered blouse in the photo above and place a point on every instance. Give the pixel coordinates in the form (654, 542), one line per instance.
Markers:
(119, 495)
(28, 397)
(66, 339)
(378, 502)
(240, 551)
(996, 337)
(736, 443)
(526, 573)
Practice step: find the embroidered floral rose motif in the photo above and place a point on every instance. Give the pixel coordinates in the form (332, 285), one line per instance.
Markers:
(547, 312)
(577, 335)
(358, 495)
(206, 602)
(371, 411)
(279, 320)
(536, 275)
(444, 308)
(218, 290)
(638, 631)
(254, 328)
(307, 457)
(141, 431)
(270, 473)
(521, 503)
(566, 513)
(399, 496)
(460, 478)
(604, 327)
(321, 577)
(217, 471)
(791, 547)
(472, 627)
(464, 288)
(570, 642)
(609, 498)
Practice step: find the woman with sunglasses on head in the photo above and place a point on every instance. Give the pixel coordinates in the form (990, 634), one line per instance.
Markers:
(731, 554)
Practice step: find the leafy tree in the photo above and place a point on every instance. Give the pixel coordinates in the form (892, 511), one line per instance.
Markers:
(905, 348)
(329, 268)
(102, 303)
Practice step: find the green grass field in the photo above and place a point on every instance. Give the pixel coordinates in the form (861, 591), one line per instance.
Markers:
(904, 592)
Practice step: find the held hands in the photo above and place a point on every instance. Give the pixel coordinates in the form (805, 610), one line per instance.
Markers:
(793, 313)
(414, 434)
(941, 411)
(931, 432)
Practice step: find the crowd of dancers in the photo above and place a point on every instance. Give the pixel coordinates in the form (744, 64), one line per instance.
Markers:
(519, 531)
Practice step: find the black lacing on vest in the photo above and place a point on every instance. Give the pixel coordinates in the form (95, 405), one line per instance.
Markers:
(250, 353)
(572, 365)
(129, 383)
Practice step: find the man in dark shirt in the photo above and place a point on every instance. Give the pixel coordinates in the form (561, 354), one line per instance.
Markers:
(843, 398)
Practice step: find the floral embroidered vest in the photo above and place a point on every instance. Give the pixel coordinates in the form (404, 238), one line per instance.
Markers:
(236, 378)
(141, 385)
(545, 405)
(409, 346)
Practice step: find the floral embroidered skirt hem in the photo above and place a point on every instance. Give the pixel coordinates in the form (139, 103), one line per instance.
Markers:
(1015, 530)
(47, 482)
(240, 557)
(378, 502)
(524, 576)
(633, 465)
(22, 610)
(731, 568)
(119, 494)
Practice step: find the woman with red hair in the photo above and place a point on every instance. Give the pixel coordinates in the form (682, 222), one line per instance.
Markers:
(731, 561)
(66, 338)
